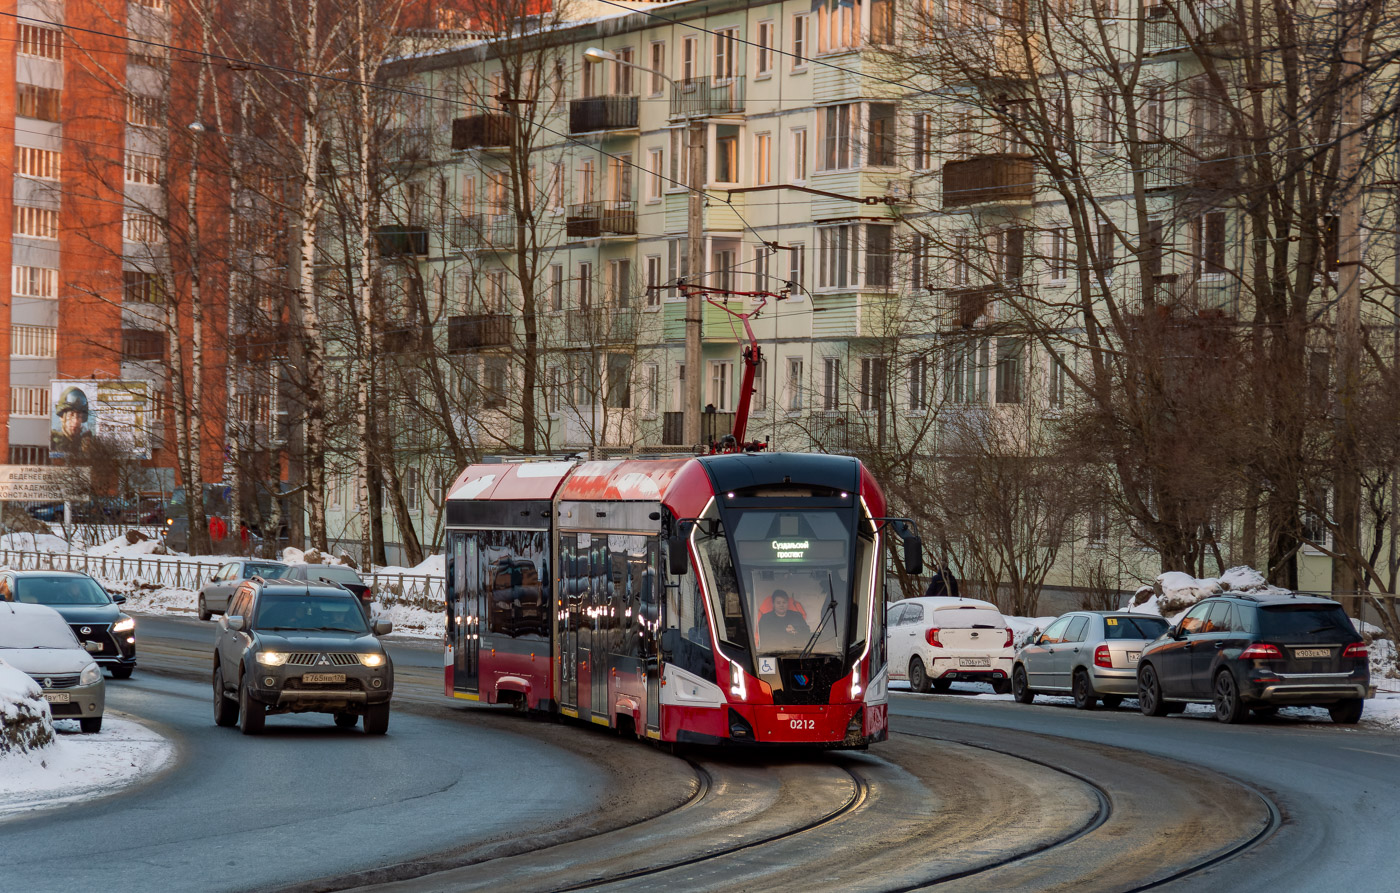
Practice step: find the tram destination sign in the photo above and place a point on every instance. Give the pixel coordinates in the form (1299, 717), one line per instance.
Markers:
(46, 483)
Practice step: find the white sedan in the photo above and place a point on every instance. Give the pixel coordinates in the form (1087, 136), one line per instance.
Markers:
(35, 640)
(937, 640)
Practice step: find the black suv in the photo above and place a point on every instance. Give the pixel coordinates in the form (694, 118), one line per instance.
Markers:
(296, 648)
(1245, 652)
(89, 610)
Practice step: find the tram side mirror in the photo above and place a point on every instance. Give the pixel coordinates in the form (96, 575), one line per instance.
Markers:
(670, 641)
(913, 554)
(676, 558)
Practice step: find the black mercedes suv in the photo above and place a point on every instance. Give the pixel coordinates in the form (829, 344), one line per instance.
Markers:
(1244, 652)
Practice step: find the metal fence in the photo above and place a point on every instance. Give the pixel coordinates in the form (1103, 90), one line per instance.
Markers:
(414, 590)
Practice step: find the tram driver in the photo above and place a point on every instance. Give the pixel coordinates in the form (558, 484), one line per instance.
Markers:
(783, 629)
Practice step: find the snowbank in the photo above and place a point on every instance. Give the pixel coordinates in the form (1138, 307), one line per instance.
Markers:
(1027, 628)
(25, 724)
(37, 542)
(131, 545)
(432, 566)
(77, 767)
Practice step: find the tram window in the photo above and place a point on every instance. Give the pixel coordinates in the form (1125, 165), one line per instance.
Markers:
(517, 595)
(685, 610)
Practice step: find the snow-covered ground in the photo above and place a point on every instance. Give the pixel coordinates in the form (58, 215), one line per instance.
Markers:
(78, 767)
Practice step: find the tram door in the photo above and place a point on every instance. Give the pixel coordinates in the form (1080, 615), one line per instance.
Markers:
(466, 612)
(650, 616)
(573, 652)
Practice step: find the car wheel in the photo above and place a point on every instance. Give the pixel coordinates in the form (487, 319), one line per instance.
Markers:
(942, 684)
(204, 609)
(122, 672)
(1229, 707)
(376, 719)
(1020, 686)
(1150, 693)
(1084, 697)
(918, 678)
(225, 708)
(1347, 712)
(90, 724)
(1112, 701)
(1262, 712)
(1001, 686)
(346, 720)
(252, 716)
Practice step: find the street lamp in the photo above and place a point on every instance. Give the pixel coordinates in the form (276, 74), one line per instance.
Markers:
(695, 222)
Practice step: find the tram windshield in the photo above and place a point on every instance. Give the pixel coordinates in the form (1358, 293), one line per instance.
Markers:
(782, 579)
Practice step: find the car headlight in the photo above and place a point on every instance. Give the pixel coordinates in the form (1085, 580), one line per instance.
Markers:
(372, 660)
(124, 625)
(272, 658)
(91, 674)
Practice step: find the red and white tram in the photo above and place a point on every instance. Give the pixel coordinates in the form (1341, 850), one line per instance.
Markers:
(732, 598)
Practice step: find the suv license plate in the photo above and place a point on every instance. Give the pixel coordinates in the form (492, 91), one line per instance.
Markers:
(323, 677)
(974, 661)
(1133, 656)
(1312, 652)
(56, 697)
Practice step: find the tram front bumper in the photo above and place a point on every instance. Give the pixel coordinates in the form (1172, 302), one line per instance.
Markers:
(822, 724)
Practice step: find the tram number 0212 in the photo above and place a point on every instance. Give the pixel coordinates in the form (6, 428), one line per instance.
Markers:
(802, 725)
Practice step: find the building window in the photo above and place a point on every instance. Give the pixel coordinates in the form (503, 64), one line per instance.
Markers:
(690, 53)
(765, 49)
(838, 25)
(678, 395)
(144, 111)
(799, 154)
(831, 384)
(760, 387)
(835, 137)
(144, 169)
(1059, 257)
(1107, 242)
(29, 455)
(763, 159)
(36, 223)
(658, 67)
(139, 345)
(762, 260)
(726, 155)
(585, 286)
(721, 385)
(556, 287)
(918, 259)
(792, 388)
(554, 389)
(923, 142)
(653, 280)
(620, 177)
(873, 383)
(968, 372)
(151, 4)
(677, 266)
(41, 103)
(495, 381)
(141, 52)
(918, 384)
(42, 164)
(410, 488)
(1009, 351)
(620, 282)
(879, 255)
(1097, 527)
(797, 267)
(29, 402)
(619, 394)
(1208, 232)
(882, 22)
(33, 341)
(1055, 383)
(837, 262)
(725, 260)
(140, 227)
(622, 72)
(33, 282)
(801, 25)
(881, 146)
(650, 384)
(36, 40)
(726, 54)
(656, 166)
(495, 291)
(587, 181)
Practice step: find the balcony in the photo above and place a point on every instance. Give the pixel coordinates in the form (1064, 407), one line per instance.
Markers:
(1200, 27)
(1204, 164)
(603, 326)
(403, 337)
(706, 97)
(491, 131)
(401, 241)
(408, 145)
(972, 304)
(591, 220)
(472, 232)
(467, 333)
(713, 426)
(602, 113)
(983, 179)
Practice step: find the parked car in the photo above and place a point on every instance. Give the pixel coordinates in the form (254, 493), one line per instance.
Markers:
(92, 613)
(1244, 652)
(46, 511)
(1091, 654)
(34, 639)
(287, 647)
(214, 595)
(335, 575)
(938, 640)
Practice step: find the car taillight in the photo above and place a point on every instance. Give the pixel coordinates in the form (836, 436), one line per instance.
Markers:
(1102, 658)
(1010, 638)
(1356, 649)
(1261, 651)
(932, 635)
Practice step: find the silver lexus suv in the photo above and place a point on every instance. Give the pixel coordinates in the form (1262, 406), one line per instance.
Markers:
(295, 648)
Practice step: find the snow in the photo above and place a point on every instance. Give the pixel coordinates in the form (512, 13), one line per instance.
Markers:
(119, 547)
(432, 566)
(1177, 591)
(78, 767)
(25, 724)
(38, 542)
(1027, 628)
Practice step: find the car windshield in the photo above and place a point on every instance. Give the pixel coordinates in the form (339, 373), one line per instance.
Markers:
(1133, 627)
(334, 574)
(310, 612)
(29, 631)
(968, 618)
(266, 571)
(1305, 623)
(59, 591)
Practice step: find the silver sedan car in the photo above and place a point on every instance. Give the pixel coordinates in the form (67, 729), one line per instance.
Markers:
(1090, 654)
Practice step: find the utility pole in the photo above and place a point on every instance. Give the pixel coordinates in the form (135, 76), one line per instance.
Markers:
(694, 304)
(1347, 483)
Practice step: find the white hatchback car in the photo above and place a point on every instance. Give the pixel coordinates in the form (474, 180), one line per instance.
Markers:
(34, 639)
(938, 640)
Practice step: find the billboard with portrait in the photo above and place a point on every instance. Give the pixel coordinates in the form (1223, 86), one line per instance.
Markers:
(115, 411)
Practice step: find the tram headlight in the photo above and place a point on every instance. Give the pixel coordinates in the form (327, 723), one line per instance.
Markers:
(855, 682)
(737, 686)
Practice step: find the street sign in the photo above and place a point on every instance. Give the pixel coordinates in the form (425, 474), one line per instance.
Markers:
(44, 483)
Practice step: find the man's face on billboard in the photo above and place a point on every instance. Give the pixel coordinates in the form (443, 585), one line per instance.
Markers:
(73, 421)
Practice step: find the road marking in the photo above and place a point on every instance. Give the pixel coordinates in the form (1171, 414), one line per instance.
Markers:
(1378, 753)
